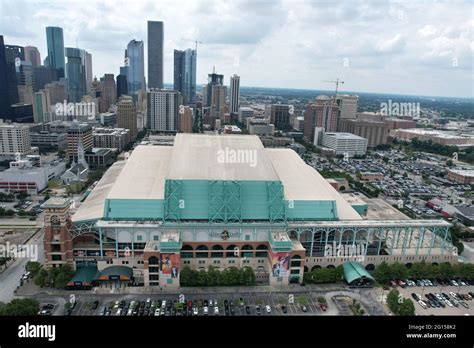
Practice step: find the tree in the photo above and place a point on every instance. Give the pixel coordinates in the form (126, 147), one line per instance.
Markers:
(449, 163)
(382, 273)
(398, 271)
(419, 270)
(185, 276)
(446, 270)
(406, 308)
(248, 276)
(41, 278)
(202, 278)
(302, 300)
(20, 306)
(33, 267)
(22, 196)
(393, 302)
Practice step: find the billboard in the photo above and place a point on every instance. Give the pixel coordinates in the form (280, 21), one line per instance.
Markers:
(170, 265)
(280, 264)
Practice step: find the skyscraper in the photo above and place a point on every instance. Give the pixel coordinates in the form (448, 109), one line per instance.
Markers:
(185, 74)
(163, 110)
(55, 43)
(76, 74)
(5, 104)
(25, 79)
(155, 54)
(88, 68)
(323, 112)
(43, 75)
(347, 105)
(108, 89)
(42, 106)
(218, 96)
(280, 115)
(13, 55)
(135, 68)
(212, 80)
(234, 93)
(186, 120)
(127, 116)
(32, 55)
(57, 90)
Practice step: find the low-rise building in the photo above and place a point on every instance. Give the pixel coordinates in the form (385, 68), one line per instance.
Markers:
(244, 113)
(343, 143)
(111, 138)
(260, 126)
(22, 176)
(45, 139)
(107, 119)
(436, 136)
(371, 176)
(14, 139)
(461, 176)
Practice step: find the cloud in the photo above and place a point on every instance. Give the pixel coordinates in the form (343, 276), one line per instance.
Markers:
(379, 46)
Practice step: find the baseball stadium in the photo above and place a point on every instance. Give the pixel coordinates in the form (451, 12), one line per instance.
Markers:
(224, 201)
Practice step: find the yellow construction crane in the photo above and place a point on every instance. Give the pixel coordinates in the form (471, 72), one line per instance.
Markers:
(337, 82)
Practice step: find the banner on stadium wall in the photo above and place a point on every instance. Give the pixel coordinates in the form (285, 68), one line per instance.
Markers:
(170, 265)
(280, 262)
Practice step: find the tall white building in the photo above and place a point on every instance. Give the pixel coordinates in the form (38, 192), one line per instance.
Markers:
(14, 139)
(234, 93)
(347, 106)
(163, 110)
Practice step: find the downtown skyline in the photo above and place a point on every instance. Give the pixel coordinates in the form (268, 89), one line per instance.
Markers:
(274, 44)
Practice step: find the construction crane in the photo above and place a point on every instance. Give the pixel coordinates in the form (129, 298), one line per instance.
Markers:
(337, 82)
(196, 42)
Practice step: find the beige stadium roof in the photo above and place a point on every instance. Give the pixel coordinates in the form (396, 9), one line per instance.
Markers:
(196, 157)
(93, 207)
(144, 175)
(302, 182)
(220, 157)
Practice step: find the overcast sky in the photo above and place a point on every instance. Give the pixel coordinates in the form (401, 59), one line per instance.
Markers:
(407, 47)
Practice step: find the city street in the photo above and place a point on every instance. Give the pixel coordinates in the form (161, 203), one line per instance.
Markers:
(10, 278)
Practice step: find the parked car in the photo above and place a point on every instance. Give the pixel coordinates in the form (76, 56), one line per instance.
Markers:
(95, 305)
(283, 309)
(422, 304)
(304, 309)
(247, 309)
(268, 309)
(205, 310)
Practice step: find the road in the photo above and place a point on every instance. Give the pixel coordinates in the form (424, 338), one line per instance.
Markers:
(10, 278)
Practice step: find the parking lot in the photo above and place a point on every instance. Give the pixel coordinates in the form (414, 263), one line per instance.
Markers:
(456, 308)
(303, 304)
